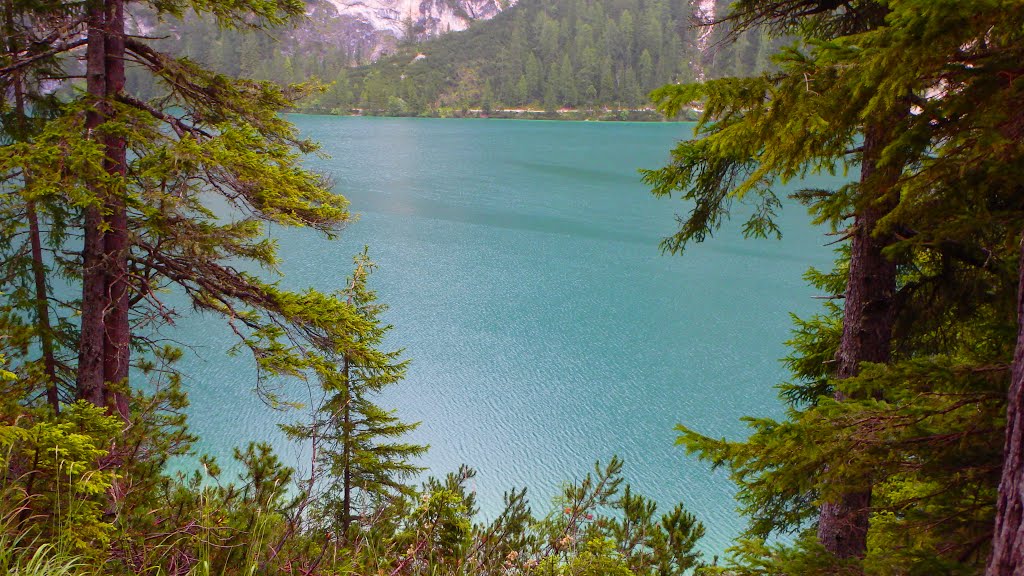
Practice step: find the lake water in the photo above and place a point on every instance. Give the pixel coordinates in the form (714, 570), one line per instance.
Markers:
(520, 261)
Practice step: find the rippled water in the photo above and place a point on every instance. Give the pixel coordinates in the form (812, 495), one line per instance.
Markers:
(545, 329)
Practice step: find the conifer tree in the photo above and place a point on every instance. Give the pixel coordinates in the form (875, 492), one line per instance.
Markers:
(356, 442)
(130, 180)
(142, 216)
(906, 340)
(141, 197)
(27, 285)
(712, 177)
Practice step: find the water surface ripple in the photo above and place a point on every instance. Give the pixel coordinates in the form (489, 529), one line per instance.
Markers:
(546, 331)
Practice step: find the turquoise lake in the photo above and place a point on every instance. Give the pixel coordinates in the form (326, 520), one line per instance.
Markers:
(546, 330)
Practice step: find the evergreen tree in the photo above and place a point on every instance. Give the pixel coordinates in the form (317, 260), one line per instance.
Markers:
(338, 98)
(21, 117)
(534, 79)
(551, 87)
(354, 439)
(894, 375)
(567, 82)
(522, 94)
(630, 88)
(607, 91)
(600, 42)
(132, 186)
(646, 71)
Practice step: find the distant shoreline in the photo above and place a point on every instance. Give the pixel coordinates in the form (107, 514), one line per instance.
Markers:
(565, 114)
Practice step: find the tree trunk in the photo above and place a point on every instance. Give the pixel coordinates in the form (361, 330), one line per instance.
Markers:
(104, 351)
(867, 327)
(35, 240)
(1007, 556)
(43, 310)
(346, 517)
(116, 333)
(94, 300)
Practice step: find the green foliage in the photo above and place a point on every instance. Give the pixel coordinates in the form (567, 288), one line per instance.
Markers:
(210, 141)
(210, 164)
(662, 546)
(600, 526)
(922, 432)
(522, 54)
(356, 442)
(58, 473)
(583, 54)
(18, 559)
(199, 523)
(572, 53)
(754, 557)
(431, 532)
(442, 527)
(597, 557)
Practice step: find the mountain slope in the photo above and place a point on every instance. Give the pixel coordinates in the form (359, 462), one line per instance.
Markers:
(416, 19)
(354, 31)
(594, 55)
(550, 54)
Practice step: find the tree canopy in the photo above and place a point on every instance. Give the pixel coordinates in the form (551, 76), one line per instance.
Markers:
(889, 454)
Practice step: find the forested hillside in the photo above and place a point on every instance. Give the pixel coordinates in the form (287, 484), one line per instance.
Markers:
(538, 54)
(306, 48)
(542, 54)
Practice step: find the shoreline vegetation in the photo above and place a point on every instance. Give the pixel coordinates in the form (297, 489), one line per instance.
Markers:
(563, 114)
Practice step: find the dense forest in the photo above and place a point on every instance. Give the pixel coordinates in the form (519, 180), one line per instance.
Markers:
(902, 449)
(585, 54)
(592, 55)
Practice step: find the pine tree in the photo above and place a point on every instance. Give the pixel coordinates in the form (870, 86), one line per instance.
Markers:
(879, 374)
(522, 92)
(27, 266)
(567, 82)
(646, 71)
(607, 92)
(354, 439)
(533, 78)
(133, 180)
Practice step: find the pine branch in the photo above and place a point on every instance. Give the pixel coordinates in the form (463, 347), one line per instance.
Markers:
(71, 45)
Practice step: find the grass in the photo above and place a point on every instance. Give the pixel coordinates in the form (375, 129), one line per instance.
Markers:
(26, 559)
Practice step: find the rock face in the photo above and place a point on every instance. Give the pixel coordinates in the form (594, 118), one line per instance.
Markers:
(704, 13)
(371, 28)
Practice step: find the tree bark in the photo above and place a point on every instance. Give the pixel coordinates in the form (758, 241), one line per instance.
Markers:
(116, 333)
(94, 302)
(1007, 556)
(346, 518)
(867, 327)
(43, 310)
(105, 332)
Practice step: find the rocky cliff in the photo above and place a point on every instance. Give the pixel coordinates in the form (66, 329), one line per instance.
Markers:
(371, 28)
